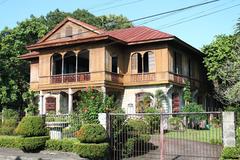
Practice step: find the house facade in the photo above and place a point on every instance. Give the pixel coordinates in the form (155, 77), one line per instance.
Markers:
(126, 63)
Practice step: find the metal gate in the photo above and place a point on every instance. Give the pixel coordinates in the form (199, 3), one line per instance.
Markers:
(168, 136)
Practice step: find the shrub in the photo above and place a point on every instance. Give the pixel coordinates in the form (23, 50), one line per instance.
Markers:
(66, 145)
(8, 126)
(238, 136)
(31, 126)
(137, 126)
(230, 153)
(128, 147)
(93, 102)
(196, 118)
(4, 130)
(10, 141)
(9, 114)
(137, 134)
(92, 151)
(92, 133)
(153, 120)
(53, 144)
(33, 144)
(175, 123)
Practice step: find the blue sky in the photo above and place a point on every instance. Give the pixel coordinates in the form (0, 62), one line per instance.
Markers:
(197, 32)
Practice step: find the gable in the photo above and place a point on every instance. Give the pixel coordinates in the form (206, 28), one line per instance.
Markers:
(71, 28)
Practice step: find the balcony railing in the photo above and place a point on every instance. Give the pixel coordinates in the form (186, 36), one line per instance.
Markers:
(67, 78)
(114, 77)
(181, 79)
(143, 77)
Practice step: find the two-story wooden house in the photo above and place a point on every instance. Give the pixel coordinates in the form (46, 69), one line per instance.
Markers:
(126, 63)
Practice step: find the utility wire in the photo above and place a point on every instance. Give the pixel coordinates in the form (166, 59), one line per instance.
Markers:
(119, 5)
(155, 19)
(155, 15)
(176, 10)
(204, 15)
(103, 4)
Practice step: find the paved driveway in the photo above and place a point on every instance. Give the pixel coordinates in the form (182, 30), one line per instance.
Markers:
(180, 149)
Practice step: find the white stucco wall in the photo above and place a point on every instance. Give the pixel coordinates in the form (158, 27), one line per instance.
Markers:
(129, 97)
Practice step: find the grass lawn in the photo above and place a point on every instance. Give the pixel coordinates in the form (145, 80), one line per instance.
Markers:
(213, 136)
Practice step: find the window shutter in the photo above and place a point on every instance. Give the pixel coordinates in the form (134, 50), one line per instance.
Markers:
(151, 63)
(134, 63)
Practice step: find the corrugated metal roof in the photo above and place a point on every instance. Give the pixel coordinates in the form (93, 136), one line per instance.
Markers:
(138, 34)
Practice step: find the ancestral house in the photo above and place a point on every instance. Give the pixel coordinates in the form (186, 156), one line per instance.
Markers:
(126, 63)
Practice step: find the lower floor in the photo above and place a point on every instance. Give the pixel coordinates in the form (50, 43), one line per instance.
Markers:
(132, 99)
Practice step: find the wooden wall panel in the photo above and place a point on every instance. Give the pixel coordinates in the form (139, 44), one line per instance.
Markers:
(34, 72)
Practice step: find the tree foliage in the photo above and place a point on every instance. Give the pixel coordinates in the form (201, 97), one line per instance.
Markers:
(187, 95)
(14, 73)
(222, 61)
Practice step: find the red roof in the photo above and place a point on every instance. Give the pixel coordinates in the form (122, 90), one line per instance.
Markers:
(29, 55)
(128, 36)
(138, 34)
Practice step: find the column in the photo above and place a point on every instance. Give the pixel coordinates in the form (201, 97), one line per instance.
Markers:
(103, 88)
(76, 66)
(62, 66)
(40, 105)
(70, 101)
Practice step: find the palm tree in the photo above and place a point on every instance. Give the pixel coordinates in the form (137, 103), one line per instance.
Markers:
(160, 98)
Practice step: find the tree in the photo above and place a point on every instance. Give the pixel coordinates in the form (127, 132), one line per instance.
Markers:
(31, 99)
(222, 61)
(160, 97)
(111, 22)
(187, 95)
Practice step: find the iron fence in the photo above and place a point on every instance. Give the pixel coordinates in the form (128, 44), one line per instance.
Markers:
(166, 136)
(63, 125)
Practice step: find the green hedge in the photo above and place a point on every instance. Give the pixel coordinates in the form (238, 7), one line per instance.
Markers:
(65, 145)
(32, 144)
(31, 126)
(92, 133)
(10, 141)
(8, 126)
(92, 151)
(230, 153)
(27, 144)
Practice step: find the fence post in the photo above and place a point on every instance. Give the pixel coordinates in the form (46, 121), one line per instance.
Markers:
(161, 136)
(228, 129)
(102, 117)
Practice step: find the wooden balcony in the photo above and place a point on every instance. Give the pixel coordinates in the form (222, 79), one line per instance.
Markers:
(143, 77)
(101, 77)
(114, 77)
(68, 78)
(158, 78)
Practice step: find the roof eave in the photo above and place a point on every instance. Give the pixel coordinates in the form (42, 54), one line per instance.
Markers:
(55, 44)
(178, 40)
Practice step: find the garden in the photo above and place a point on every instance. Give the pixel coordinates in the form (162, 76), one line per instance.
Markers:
(129, 135)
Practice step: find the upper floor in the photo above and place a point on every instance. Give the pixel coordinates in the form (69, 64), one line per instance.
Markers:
(76, 54)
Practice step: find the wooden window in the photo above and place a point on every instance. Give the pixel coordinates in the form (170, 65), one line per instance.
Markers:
(177, 65)
(175, 103)
(50, 104)
(134, 62)
(151, 63)
(114, 64)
